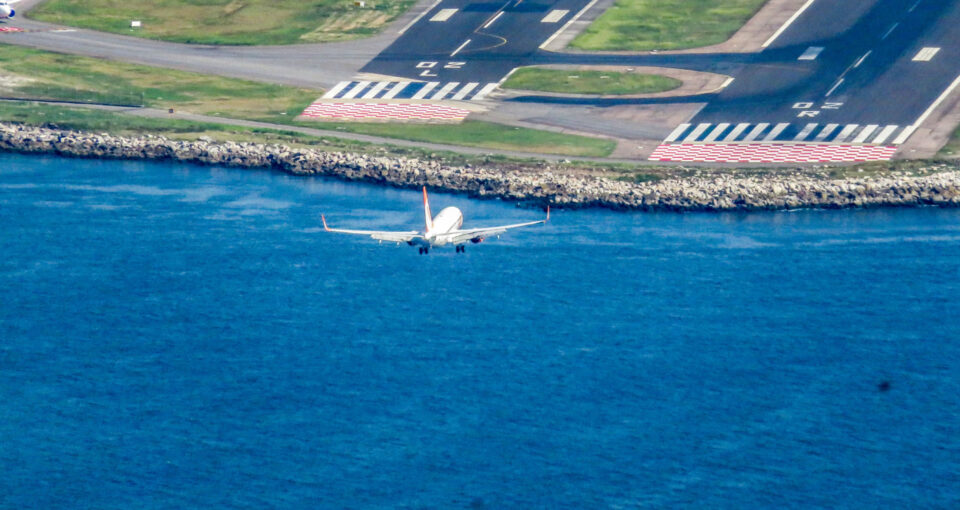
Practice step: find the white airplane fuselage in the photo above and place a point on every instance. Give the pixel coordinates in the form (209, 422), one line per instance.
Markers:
(449, 220)
(6, 10)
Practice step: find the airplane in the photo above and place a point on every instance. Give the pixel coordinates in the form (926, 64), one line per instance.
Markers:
(6, 9)
(441, 230)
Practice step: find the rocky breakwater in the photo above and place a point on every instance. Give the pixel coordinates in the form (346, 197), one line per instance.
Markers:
(716, 192)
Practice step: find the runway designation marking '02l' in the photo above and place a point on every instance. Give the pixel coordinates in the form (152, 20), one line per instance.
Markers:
(770, 153)
(385, 111)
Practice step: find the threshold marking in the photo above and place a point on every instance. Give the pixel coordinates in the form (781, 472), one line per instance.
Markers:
(443, 14)
(811, 54)
(426, 88)
(355, 90)
(554, 16)
(465, 43)
(488, 88)
(445, 90)
(926, 54)
(787, 24)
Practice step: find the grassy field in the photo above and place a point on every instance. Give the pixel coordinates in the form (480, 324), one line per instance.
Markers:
(28, 73)
(639, 25)
(485, 135)
(589, 82)
(228, 21)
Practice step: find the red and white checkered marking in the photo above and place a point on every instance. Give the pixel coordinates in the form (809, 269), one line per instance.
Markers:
(770, 153)
(385, 111)
(11, 29)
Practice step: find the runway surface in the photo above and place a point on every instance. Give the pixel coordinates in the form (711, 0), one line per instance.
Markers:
(845, 73)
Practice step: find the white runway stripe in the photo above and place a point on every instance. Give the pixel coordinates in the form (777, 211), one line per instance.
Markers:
(716, 132)
(882, 137)
(755, 132)
(396, 90)
(464, 91)
(425, 90)
(692, 137)
(445, 90)
(736, 132)
(805, 133)
(356, 90)
(336, 89)
(776, 132)
(488, 88)
(826, 132)
(376, 90)
(862, 137)
(677, 132)
(846, 132)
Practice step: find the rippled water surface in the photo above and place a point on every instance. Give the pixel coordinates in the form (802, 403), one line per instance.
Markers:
(177, 336)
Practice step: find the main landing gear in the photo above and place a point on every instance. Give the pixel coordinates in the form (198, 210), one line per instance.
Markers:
(424, 250)
(461, 248)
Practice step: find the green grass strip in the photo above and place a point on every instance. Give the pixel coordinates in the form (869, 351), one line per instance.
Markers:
(641, 25)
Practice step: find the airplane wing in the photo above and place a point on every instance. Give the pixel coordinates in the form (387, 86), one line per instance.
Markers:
(380, 235)
(479, 234)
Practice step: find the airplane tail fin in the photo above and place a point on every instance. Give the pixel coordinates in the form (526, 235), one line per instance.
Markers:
(426, 210)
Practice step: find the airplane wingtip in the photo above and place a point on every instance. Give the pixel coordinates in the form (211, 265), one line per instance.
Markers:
(548, 214)
(324, 220)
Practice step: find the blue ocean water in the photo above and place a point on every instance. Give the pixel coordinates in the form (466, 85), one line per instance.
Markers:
(176, 336)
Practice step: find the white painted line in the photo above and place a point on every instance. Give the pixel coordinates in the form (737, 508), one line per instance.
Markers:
(692, 137)
(375, 90)
(755, 132)
(422, 14)
(864, 57)
(443, 14)
(805, 133)
(811, 54)
(930, 110)
(465, 43)
(862, 137)
(554, 16)
(926, 54)
(736, 132)
(716, 132)
(914, 6)
(568, 23)
(846, 132)
(352, 93)
(894, 27)
(904, 135)
(426, 89)
(495, 18)
(829, 128)
(882, 137)
(787, 24)
(445, 90)
(776, 132)
(488, 88)
(336, 89)
(834, 87)
(676, 132)
(464, 91)
(396, 90)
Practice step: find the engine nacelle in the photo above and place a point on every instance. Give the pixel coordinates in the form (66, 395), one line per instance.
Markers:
(6, 11)
(476, 240)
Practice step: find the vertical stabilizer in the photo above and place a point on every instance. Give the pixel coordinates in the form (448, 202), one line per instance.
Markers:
(426, 210)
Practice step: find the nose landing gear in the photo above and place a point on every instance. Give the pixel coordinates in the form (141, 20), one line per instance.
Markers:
(424, 250)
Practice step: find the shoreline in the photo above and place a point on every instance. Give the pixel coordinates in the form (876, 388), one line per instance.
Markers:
(543, 186)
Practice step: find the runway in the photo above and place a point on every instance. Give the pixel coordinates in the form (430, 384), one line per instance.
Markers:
(841, 73)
